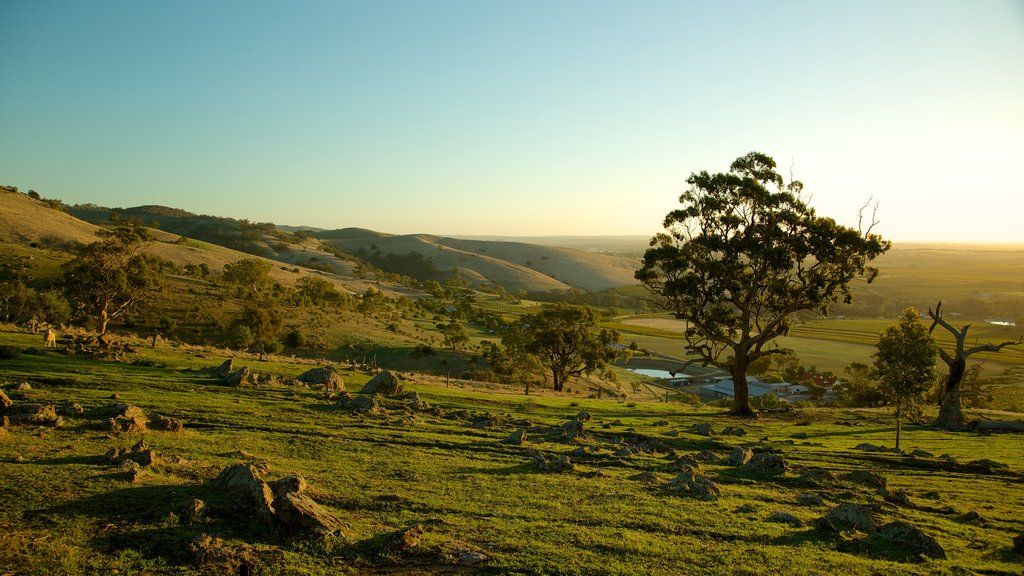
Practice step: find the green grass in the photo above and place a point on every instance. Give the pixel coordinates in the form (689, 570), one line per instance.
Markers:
(67, 511)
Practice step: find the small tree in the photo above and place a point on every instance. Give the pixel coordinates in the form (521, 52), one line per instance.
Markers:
(742, 255)
(264, 323)
(567, 341)
(249, 275)
(905, 365)
(455, 335)
(112, 277)
(164, 327)
(951, 415)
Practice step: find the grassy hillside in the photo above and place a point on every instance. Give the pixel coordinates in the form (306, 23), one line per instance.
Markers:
(70, 510)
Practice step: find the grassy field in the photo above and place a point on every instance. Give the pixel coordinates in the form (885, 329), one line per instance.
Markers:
(67, 510)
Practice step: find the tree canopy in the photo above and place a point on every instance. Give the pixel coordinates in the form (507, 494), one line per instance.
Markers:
(112, 276)
(905, 365)
(742, 255)
(566, 340)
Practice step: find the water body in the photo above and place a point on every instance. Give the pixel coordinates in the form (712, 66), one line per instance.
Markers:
(1001, 322)
(653, 373)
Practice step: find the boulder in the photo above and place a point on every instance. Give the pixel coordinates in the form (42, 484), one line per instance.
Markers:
(247, 480)
(325, 376)
(865, 478)
(816, 477)
(738, 457)
(384, 383)
(406, 538)
(223, 370)
(289, 483)
(300, 512)
(686, 460)
(1000, 426)
(868, 447)
(71, 410)
(766, 464)
(573, 429)
(734, 431)
(517, 438)
(468, 557)
(32, 414)
(213, 555)
(24, 387)
(241, 377)
(846, 517)
(702, 429)
(193, 510)
(414, 402)
(623, 452)
(903, 540)
(134, 472)
(552, 463)
(918, 453)
(364, 405)
(166, 423)
(785, 518)
(4, 400)
(897, 497)
(809, 500)
(987, 466)
(646, 477)
(692, 483)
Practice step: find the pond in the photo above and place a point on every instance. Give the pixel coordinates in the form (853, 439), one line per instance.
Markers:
(1001, 322)
(653, 373)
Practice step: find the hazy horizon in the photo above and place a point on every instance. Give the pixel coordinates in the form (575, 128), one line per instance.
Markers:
(563, 118)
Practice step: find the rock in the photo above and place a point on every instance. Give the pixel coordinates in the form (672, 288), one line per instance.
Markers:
(32, 414)
(692, 483)
(300, 512)
(406, 538)
(683, 462)
(221, 371)
(414, 402)
(166, 423)
(326, 376)
(70, 410)
(581, 451)
(384, 383)
(846, 517)
(552, 463)
(897, 497)
(868, 447)
(970, 517)
(708, 456)
(660, 423)
(517, 438)
(799, 436)
(918, 453)
(809, 500)
(931, 495)
(702, 429)
(193, 510)
(215, 556)
(468, 557)
(289, 483)
(616, 422)
(766, 464)
(24, 387)
(134, 472)
(816, 477)
(738, 457)
(623, 452)
(4, 400)
(785, 518)
(902, 539)
(987, 466)
(364, 405)
(573, 429)
(247, 480)
(734, 431)
(241, 377)
(746, 509)
(865, 478)
(127, 425)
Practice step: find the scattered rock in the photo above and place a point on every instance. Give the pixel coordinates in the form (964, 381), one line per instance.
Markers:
(363, 404)
(132, 421)
(4, 400)
(623, 452)
(221, 371)
(193, 510)
(326, 376)
(766, 464)
(799, 436)
(734, 431)
(134, 472)
(406, 538)
(214, 555)
(693, 483)
(865, 478)
(902, 539)
(32, 414)
(816, 477)
(1018, 543)
(702, 429)
(785, 518)
(683, 462)
(738, 457)
(1000, 426)
(166, 423)
(897, 497)
(24, 387)
(241, 377)
(517, 438)
(660, 423)
(552, 463)
(573, 429)
(746, 509)
(987, 466)
(247, 480)
(868, 447)
(71, 410)
(384, 383)
(918, 453)
(300, 512)
(931, 495)
(970, 517)
(288, 483)
(468, 557)
(809, 500)
(616, 422)
(579, 452)
(414, 402)
(846, 517)
(708, 456)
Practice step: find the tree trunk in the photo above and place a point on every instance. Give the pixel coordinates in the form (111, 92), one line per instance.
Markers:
(897, 432)
(156, 333)
(741, 394)
(262, 352)
(104, 319)
(951, 415)
(558, 382)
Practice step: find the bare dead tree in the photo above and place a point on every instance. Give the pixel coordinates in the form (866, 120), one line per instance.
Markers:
(951, 416)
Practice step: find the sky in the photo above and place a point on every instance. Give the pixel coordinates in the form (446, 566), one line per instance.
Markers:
(553, 117)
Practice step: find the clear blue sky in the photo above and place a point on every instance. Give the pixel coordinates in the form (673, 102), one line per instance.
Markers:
(516, 118)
